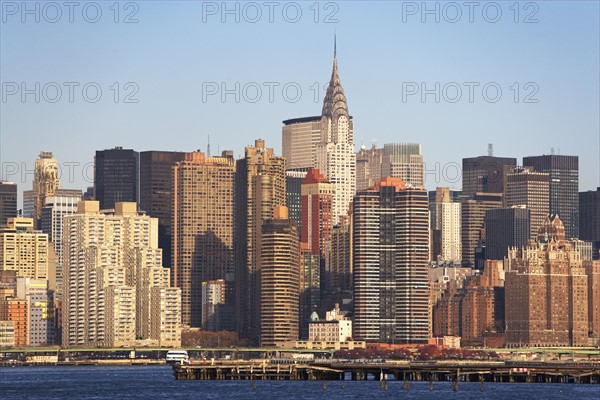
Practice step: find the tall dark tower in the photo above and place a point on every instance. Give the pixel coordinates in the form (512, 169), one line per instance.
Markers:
(564, 187)
(116, 176)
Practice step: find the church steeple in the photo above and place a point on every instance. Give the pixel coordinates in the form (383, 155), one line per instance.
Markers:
(335, 104)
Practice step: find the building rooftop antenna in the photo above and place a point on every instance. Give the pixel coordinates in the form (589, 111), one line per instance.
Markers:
(208, 147)
(490, 149)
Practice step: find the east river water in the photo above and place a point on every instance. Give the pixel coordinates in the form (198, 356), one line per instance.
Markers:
(157, 382)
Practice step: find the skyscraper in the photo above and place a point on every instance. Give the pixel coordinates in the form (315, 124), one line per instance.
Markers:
(390, 257)
(116, 176)
(446, 227)
(202, 227)
(525, 187)
(473, 211)
(55, 209)
(293, 185)
(368, 167)
(260, 186)
(317, 199)
(45, 183)
(404, 161)
(335, 156)
(484, 174)
(299, 137)
(279, 256)
(156, 193)
(504, 228)
(8, 201)
(115, 288)
(564, 187)
(589, 219)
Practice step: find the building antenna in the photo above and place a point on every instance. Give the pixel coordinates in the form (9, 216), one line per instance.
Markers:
(208, 147)
(490, 149)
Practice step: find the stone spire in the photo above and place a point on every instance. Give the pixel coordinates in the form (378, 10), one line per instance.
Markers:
(335, 104)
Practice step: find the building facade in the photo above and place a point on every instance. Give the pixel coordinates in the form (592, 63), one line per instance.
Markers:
(446, 227)
(546, 292)
(484, 174)
(299, 137)
(23, 249)
(473, 211)
(564, 187)
(45, 182)
(260, 186)
(404, 161)
(8, 201)
(156, 193)
(589, 219)
(390, 260)
(279, 258)
(525, 187)
(202, 227)
(115, 287)
(504, 228)
(116, 177)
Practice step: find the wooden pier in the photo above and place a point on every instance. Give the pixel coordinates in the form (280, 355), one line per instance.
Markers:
(458, 371)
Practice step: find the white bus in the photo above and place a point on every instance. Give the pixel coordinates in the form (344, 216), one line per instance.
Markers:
(177, 357)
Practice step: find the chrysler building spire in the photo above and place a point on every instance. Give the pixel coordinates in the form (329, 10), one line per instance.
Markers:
(335, 104)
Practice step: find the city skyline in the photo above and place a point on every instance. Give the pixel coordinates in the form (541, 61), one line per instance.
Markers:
(555, 43)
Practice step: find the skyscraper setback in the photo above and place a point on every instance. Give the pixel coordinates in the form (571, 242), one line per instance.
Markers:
(260, 186)
(202, 227)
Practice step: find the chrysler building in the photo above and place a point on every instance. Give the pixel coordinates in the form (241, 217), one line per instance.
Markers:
(334, 155)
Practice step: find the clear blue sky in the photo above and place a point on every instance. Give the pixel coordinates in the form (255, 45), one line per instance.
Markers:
(177, 49)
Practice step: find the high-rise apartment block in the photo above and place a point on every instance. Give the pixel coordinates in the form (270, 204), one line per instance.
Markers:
(279, 257)
(24, 249)
(116, 177)
(260, 186)
(55, 209)
(202, 226)
(8, 201)
(564, 187)
(40, 325)
(390, 258)
(525, 187)
(337, 278)
(115, 288)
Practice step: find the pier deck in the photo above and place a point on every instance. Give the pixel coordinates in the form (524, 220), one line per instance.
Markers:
(465, 371)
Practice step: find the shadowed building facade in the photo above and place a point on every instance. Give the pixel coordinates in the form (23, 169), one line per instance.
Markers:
(260, 186)
(202, 227)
